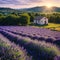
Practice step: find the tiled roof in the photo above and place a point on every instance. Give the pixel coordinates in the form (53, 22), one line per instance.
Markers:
(38, 17)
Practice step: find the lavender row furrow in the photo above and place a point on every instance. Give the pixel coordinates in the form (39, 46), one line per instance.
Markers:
(36, 37)
(36, 49)
(11, 51)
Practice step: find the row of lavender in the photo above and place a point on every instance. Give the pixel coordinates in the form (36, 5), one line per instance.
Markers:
(11, 51)
(41, 34)
(34, 31)
(36, 49)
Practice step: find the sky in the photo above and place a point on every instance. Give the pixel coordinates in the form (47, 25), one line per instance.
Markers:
(28, 3)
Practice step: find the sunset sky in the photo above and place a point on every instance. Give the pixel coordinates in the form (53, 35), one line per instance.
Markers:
(28, 3)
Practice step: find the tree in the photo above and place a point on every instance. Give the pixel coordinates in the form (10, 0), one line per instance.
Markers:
(24, 19)
(31, 17)
(2, 20)
(11, 20)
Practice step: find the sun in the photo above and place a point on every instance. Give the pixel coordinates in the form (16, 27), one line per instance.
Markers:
(49, 6)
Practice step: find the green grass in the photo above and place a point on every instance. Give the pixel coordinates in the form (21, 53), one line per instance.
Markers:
(51, 26)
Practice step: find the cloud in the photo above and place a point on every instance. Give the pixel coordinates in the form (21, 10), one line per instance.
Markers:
(34, 1)
(18, 2)
(26, 3)
(14, 2)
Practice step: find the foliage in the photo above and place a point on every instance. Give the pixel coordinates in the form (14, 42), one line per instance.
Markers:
(11, 51)
(54, 18)
(11, 20)
(24, 19)
(31, 16)
(38, 44)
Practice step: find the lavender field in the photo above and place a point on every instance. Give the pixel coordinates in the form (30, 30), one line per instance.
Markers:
(29, 43)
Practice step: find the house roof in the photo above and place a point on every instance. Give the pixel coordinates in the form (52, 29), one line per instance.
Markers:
(38, 17)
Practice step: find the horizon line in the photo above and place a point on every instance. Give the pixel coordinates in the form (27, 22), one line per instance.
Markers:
(28, 7)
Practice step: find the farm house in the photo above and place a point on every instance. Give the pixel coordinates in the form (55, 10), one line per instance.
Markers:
(40, 20)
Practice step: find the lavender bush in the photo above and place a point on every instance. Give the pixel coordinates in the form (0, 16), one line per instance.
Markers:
(33, 33)
(9, 51)
(36, 48)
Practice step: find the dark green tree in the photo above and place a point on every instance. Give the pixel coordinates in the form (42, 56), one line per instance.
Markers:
(24, 19)
(11, 20)
(31, 17)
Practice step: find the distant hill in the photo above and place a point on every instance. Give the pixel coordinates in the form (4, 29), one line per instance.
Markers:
(33, 9)
(8, 10)
(2, 8)
(40, 9)
(56, 9)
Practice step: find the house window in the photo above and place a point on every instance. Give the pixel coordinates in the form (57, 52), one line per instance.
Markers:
(41, 21)
(34, 21)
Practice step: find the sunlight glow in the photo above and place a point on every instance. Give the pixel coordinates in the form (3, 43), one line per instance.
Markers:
(49, 5)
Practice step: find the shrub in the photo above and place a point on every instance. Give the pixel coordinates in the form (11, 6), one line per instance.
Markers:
(24, 19)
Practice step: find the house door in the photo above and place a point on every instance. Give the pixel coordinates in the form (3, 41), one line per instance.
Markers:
(45, 21)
